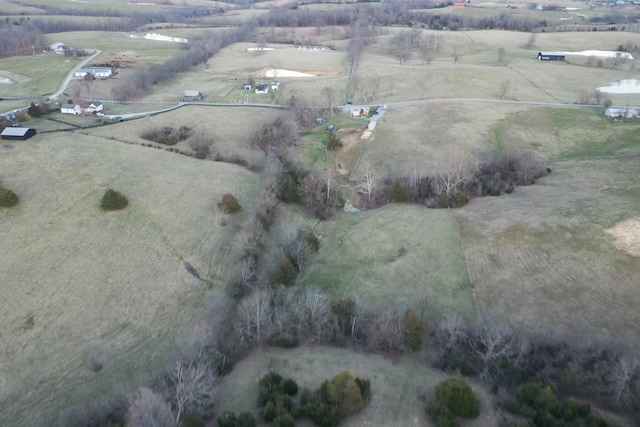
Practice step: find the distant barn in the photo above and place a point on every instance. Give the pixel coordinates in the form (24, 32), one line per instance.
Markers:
(551, 56)
(17, 134)
(192, 95)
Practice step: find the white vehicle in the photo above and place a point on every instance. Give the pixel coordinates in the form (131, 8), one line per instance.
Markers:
(384, 107)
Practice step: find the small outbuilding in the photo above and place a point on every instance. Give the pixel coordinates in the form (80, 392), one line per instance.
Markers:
(262, 88)
(192, 95)
(17, 134)
(551, 56)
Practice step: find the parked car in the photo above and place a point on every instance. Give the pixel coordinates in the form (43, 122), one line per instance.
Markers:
(384, 107)
(331, 128)
(116, 117)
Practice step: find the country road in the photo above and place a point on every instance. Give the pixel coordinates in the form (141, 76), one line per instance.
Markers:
(69, 77)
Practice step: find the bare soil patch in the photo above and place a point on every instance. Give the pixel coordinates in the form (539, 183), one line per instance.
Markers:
(627, 236)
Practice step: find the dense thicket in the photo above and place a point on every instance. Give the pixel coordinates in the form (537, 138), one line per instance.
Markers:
(21, 40)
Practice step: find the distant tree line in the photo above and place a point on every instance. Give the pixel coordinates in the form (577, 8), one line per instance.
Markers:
(21, 41)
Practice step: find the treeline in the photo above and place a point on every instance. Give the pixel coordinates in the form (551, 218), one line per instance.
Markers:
(112, 20)
(452, 184)
(197, 51)
(21, 41)
(397, 13)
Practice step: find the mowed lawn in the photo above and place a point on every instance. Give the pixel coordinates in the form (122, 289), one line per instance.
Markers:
(79, 284)
(400, 386)
(544, 259)
(399, 255)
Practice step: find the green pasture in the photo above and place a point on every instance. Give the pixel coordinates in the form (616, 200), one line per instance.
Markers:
(79, 282)
(401, 255)
(44, 71)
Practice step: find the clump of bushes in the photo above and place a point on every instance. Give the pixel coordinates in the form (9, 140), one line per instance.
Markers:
(327, 406)
(415, 331)
(243, 419)
(336, 400)
(285, 273)
(229, 203)
(8, 198)
(113, 200)
(454, 398)
(539, 403)
(334, 142)
(167, 135)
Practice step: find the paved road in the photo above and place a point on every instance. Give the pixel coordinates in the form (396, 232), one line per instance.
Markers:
(65, 83)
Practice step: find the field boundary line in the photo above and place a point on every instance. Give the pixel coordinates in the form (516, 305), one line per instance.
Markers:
(479, 314)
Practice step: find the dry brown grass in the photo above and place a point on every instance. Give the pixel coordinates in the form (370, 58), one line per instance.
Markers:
(78, 280)
(230, 128)
(542, 259)
(627, 236)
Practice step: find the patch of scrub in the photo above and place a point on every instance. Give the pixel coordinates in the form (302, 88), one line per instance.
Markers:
(627, 236)
(622, 86)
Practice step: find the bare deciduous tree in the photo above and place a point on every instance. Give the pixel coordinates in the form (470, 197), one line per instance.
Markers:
(330, 96)
(456, 172)
(192, 387)
(492, 344)
(457, 56)
(149, 409)
(504, 88)
(385, 330)
(531, 41)
(502, 55)
(254, 313)
(247, 271)
(449, 335)
(370, 177)
(624, 380)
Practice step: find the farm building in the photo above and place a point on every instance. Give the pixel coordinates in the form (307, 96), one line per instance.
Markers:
(357, 111)
(102, 73)
(262, 88)
(94, 107)
(58, 48)
(622, 112)
(551, 56)
(74, 109)
(192, 95)
(17, 134)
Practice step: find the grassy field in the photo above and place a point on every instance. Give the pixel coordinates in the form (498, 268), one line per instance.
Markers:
(399, 386)
(478, 74)
(226, 126)
(404, 255)
(542, 258)
(78, 282)
(223, 77)
(37, 75)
